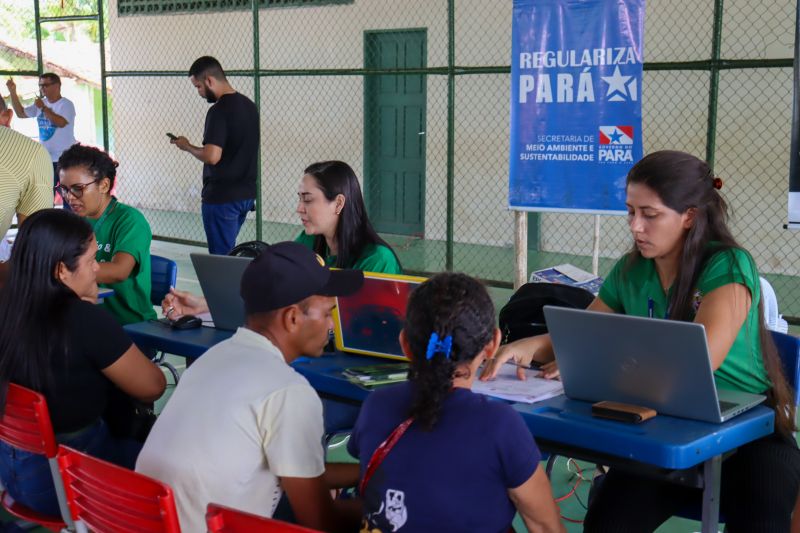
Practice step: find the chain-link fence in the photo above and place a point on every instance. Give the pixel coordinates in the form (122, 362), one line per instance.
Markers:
(414, 94)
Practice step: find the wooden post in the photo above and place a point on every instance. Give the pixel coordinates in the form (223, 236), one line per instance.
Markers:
(520, 248)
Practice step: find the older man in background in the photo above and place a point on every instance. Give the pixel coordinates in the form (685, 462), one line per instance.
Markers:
(54, 114)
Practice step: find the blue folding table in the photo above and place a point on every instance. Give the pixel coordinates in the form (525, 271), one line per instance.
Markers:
(665, 446)
(668, 447)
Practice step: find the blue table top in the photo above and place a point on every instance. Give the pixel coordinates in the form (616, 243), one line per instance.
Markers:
(191, 343)
(325, 373)
(664, 441)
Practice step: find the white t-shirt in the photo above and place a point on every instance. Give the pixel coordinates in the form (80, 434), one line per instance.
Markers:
(239, 419)
(56, 140)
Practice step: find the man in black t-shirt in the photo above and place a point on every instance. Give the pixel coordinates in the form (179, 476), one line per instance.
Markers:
(231, 141)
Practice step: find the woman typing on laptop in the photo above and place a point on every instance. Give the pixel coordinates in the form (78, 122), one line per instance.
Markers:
(331, 209)
(686, 265)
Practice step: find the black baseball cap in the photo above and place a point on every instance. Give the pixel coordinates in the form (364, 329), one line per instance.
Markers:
(288, 272)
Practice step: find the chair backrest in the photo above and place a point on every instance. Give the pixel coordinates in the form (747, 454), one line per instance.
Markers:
(789, 351)
(26, 425)
(108, 498)
(163, 275)
(26, 422)
(221, 519)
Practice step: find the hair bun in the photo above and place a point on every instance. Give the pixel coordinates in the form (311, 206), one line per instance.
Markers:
(717, 183)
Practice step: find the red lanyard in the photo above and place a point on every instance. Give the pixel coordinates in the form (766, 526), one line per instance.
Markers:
(382, 451)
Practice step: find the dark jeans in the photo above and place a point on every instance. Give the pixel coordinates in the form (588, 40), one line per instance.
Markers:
(27, 478)
(222, 223)
(758, 489)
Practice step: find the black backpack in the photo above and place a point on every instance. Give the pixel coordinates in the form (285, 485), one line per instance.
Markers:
(249, 249)
(523, 317)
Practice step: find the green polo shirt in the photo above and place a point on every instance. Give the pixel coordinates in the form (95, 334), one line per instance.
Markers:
(122, 228)
(374, 258)
(628, 289)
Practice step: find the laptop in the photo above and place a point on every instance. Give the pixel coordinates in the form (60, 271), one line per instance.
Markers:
(369, 321)
(662, 364)
(220, 277)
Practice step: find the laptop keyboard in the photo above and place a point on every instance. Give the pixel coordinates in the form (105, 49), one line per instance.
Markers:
(724, 406)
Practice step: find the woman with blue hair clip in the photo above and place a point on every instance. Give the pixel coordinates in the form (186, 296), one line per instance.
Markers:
(434, 455)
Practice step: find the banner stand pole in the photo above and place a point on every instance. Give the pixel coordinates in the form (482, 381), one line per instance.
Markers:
(596, 246)
(520, 248)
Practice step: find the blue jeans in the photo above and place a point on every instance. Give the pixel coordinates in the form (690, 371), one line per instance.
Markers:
(27, 478)
(222, 223)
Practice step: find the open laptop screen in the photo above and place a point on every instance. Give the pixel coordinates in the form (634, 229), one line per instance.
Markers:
(369, 321)
(220, 277)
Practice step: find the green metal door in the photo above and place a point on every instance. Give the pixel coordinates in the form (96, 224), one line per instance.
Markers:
(394, 130)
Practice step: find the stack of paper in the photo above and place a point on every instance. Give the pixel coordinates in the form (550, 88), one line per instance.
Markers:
(508, 387)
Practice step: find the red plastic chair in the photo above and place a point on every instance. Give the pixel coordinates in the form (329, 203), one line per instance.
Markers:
(26, 425)
(106, 498)
(221, 519)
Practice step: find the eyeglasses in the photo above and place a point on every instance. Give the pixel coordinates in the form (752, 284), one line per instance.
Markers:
(75, 190)
(44, 85)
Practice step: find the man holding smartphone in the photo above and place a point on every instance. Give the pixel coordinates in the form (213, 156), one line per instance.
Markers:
(229, 153)
(54, 114)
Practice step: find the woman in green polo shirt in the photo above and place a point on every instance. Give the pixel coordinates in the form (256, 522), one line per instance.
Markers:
(336, 226)
(686, 265)
(86, 177)
(334, 218)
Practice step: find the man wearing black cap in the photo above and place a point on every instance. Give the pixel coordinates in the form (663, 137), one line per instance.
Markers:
(242, 426)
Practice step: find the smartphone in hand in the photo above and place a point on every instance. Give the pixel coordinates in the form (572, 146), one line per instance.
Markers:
(171, 136)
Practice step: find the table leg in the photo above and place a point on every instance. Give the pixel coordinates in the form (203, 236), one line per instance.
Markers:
(711, 476)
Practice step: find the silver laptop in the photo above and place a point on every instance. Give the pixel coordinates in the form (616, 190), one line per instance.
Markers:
(220, 277)
(662, 364)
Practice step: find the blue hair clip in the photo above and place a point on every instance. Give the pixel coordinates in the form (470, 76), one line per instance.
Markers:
(437, 345)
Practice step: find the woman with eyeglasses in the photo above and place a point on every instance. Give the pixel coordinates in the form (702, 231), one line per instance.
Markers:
(86, 178)
(55, 340)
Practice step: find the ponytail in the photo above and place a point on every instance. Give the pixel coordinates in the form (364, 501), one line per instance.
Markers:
(449, 320)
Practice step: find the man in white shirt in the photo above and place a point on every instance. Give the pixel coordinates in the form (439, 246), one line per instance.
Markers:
(242, 427)
(54, 114)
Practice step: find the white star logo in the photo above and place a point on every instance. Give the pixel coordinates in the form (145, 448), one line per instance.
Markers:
(620, 87)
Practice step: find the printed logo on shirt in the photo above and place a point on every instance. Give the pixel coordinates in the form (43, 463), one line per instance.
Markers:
(46, 128)
(390, 517)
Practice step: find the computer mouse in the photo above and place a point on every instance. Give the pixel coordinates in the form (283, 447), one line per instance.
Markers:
(187, 322)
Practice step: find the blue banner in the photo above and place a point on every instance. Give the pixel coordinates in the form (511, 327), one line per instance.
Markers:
(576, 113)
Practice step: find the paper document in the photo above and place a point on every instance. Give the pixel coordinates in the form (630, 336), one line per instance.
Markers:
(508, 387)
(568, 275)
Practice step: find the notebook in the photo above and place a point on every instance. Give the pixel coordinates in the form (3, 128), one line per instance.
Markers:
(220, 277)
(662, 364)
(369, 321)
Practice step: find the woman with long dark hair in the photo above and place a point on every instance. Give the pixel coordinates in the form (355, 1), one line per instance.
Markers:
(334, 217)
(686, 265)
(335, 221)
(54, 339)
(434, 455)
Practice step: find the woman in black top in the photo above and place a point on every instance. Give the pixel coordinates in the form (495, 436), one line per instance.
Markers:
(55, 340)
